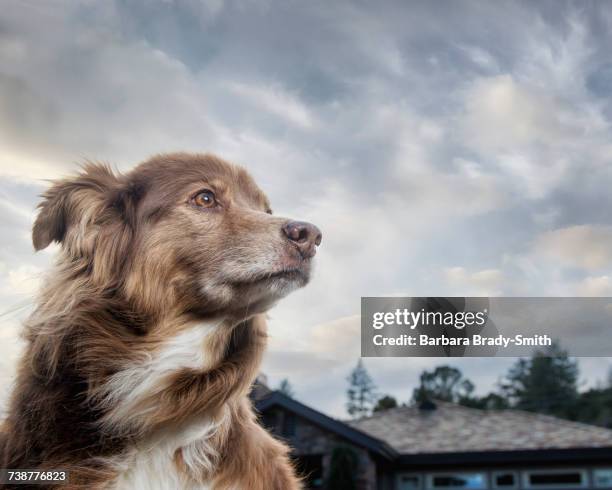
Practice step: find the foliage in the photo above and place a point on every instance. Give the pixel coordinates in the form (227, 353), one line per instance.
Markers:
(286, 389)
(594, 407)
(361, 393)
(343, 469)
(546, 383)
(492, 401)
(445, 383)
(384, 403)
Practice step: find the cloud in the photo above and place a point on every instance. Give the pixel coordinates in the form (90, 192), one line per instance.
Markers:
(276, 101)
(594, 286)
(487, 282)
(23, 280)
(334, 344)
(112, 99)
(585, 246)
(462, 148)
(525, 127)
(503, 114)
(481, 57)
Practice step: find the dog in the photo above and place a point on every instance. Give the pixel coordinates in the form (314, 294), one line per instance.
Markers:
(150, 330)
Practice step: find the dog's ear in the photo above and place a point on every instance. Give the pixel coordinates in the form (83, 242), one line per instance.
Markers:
(73, 202)
(124, 199)
(50, 224)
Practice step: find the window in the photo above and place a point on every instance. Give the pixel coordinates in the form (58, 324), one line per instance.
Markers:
(555, 479)
(469, 481)
(602, 478)
(407, 481)
(505, 480)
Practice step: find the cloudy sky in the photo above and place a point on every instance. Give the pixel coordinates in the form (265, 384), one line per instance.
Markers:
(444, 148)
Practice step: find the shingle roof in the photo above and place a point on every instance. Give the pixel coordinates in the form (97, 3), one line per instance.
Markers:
(454, 428)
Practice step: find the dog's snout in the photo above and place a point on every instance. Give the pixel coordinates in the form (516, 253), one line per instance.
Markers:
(305, 236)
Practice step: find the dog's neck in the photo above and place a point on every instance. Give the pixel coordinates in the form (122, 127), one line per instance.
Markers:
(188, 374)
(109, 386)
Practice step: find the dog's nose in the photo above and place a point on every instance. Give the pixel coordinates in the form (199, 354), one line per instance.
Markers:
(305, 235)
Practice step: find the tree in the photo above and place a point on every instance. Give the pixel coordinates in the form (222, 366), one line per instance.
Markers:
(492, 401)
(445, 383)
(286, 389)
(594, 407)
(546, 383)
(342, 469)
(361, 392)
(384, 403)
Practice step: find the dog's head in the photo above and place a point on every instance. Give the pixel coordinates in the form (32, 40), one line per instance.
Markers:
(181, 231)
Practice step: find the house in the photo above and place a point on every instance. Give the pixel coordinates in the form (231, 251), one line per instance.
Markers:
(443, 446)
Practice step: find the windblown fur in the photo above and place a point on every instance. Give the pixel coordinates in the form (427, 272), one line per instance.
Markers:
(149, 331)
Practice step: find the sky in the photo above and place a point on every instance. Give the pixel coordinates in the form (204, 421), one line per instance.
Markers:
(443, 148)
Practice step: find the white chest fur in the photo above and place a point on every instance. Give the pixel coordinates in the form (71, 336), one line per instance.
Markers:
(151, 466)
(130, 392)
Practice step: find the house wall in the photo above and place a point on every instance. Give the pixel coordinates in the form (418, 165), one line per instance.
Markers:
(309, 439)
(591, 477)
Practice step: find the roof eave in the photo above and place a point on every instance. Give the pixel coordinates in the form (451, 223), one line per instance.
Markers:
(527, 456)
(347, 432)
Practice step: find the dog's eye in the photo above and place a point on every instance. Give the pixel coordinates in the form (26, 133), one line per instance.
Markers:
(205, 199)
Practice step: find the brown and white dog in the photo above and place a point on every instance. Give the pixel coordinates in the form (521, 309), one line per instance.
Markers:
(149, 332)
